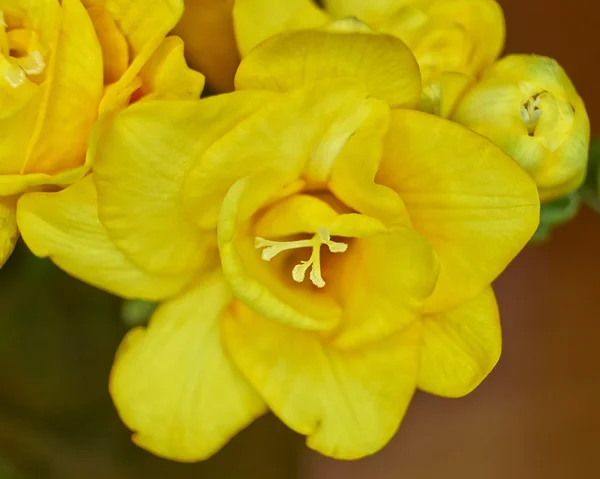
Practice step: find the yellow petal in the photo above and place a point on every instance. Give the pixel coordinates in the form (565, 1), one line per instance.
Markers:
(166, 76)
(475, 205)
(173, 384)
(8, 228)
(207, 30)
(370, 11)
(17, 133)
(381, 282)
(115, 49)
(65, 227)
(484, 22)
(13, 184)
(303, 129)
(16, 90)
(257, 20)
(442, 96)
(352, 177)
(145, 24)
(381, 62)
(302, 213)
(460, 346)
(73, 91)
(154, 145)
(349, 402)
(467, 33)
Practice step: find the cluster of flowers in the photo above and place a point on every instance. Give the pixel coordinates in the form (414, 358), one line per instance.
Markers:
(322, 239)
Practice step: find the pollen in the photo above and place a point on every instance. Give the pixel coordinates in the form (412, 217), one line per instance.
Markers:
(531, 113)
(273, 248)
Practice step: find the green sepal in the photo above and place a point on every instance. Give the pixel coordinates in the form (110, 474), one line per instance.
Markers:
(590, 191)
(136, 312)
(556, 213)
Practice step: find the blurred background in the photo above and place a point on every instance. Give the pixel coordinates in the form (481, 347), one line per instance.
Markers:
(536, 417)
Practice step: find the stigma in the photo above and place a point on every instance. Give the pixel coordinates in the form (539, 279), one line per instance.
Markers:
(273, 248)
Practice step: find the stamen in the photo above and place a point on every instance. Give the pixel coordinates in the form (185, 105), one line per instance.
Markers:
(531, 113)
(315, 272)
(273, 248)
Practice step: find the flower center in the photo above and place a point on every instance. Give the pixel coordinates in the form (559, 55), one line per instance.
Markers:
(273, 248)
(531, 113)
(21, 57)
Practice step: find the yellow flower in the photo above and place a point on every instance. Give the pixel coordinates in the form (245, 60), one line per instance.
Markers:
(61, 64)
(528, 106)
(334, 250)
(452, 40)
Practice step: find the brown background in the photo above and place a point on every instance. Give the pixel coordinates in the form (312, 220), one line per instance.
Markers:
(537, 416)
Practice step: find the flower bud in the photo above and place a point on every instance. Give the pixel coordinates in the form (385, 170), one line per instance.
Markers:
(528, 106)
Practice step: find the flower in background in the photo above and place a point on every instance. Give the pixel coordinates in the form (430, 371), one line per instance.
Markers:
(61, 65)
(333, 249)
(528, 106)
(452, 40)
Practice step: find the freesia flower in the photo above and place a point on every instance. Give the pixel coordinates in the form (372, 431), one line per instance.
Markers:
(61, 64)
(529, 107)
(452, 40)
(333, 250)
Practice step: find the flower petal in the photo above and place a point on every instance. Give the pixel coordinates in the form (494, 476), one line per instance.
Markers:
(9, 233)
(293, 215)
(382, 63)
(154, 145)
(475, 205)
(14, 184)
(166, 76)
(483, 19)
(145, 24)
(173, 384)
(73, 90)
(349, 402)
(370, 11)
(65, 227)
(142, 22)
(381, 282)
(460, 347)
(353, 173)
(257, 20)
(303, 129)
(115, 49)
